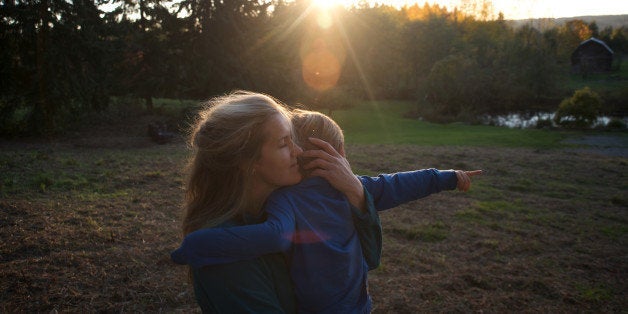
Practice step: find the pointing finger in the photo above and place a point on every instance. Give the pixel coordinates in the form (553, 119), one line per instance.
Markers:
(473, 173)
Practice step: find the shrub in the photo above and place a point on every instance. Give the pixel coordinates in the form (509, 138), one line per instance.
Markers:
(616, 124)
(580, 110)
(544, 124)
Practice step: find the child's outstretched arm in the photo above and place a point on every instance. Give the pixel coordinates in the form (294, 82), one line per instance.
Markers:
(391, 190)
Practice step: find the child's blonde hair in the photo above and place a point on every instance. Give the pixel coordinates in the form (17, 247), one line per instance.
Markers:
(315, 124)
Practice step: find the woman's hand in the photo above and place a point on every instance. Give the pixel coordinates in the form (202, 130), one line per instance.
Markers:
(464, 179)
(334, 167)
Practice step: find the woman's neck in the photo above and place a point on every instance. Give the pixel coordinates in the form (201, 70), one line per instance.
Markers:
(259, 194)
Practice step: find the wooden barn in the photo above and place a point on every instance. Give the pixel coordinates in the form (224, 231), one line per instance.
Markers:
(591, 56)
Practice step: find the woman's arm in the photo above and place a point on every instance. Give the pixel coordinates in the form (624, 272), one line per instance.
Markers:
(213, 246)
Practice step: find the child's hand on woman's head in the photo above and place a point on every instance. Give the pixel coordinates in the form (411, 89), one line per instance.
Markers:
(464, 179)
(335, 168)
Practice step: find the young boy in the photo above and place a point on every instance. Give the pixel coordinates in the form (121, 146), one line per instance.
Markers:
(311, 223)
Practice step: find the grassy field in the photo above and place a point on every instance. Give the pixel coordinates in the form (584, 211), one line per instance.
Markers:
(380, 122)
(88, 220)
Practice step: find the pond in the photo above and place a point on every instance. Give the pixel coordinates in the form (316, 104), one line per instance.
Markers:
(524, 121)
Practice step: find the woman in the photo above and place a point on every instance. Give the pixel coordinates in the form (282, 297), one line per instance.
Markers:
(307, 222)
(244, 150)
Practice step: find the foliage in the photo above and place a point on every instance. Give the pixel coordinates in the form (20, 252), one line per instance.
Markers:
(616, 124)
(544, 124)
(580, 110)
(501, 70)
(454, 83)
(64, 59)
(55, 62)
(570, 36)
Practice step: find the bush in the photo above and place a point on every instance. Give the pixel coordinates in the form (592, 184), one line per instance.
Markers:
(580, 110)
(544, 124)
(616, 124)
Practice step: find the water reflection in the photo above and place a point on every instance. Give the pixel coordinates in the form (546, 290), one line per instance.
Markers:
(524, 121)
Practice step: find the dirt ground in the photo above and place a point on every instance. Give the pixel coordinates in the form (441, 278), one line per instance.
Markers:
(87, 223)
(610, 145)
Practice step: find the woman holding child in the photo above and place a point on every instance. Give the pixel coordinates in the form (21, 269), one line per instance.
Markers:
(244, 151)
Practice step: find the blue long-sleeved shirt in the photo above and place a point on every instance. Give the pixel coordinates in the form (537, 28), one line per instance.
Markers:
(309, 223)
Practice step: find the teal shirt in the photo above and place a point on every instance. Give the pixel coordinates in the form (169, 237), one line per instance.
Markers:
(260, 285)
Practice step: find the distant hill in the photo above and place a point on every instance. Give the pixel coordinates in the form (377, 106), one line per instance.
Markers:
(602, 21)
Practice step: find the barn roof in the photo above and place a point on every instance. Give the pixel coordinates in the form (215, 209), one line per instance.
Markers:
(599, 42)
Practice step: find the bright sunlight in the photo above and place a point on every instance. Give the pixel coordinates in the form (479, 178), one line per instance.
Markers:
(324, 4)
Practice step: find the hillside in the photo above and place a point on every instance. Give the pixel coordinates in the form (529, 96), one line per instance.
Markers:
(602, 21)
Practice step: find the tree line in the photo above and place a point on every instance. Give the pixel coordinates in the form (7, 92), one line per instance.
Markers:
(62, 59)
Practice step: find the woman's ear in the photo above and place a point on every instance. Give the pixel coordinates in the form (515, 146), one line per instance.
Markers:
(341, 151)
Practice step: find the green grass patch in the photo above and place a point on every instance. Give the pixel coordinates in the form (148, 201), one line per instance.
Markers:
(500, 215)
(522, 185)
(619, 200)
(95, 196)
(470, 214)
(43, 181)
(564, 189)
(484, 189)
(426, 233)
(595, 294)
(501, 209)
(614, 232)
(382, 122)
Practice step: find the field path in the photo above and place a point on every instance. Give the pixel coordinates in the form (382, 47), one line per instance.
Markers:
(608, 145)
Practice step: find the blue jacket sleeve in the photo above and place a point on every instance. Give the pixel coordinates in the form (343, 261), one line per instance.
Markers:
(369, 230)
(392, 190)
(213, 246)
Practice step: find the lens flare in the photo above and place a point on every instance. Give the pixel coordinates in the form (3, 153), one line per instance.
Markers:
(321, 70)
(322, 63)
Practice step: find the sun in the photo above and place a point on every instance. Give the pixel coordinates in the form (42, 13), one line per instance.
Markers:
(324, 11)
(325, 4)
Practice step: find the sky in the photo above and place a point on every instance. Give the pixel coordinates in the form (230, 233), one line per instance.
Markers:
(521, 9)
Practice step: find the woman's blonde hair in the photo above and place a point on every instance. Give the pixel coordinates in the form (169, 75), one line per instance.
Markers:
(226, 139)
(308, 124)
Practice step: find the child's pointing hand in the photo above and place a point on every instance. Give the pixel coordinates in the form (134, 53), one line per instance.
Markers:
(464, 179)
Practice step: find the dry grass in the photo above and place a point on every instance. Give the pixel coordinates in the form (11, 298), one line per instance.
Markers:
(87, 225)
(542, 231)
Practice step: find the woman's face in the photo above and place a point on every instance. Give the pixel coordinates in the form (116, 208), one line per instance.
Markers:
(277, 165)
